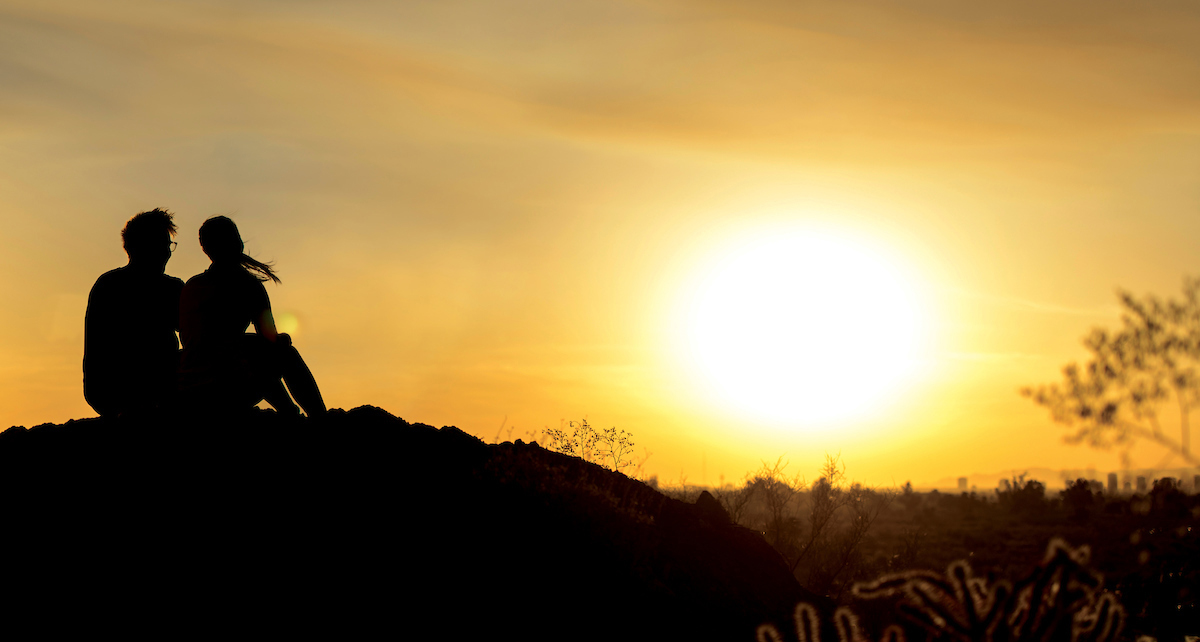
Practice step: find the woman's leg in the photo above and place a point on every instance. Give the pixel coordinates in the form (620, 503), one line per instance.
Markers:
(278, 397)
(264, 376)
(299, 380)
(279, 363)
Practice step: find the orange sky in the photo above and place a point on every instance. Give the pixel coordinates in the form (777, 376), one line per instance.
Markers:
(484, 212)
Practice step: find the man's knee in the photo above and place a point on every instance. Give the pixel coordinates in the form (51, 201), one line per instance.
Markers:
(103, 399)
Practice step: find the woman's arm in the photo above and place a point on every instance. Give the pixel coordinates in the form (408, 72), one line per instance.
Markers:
(264, 324)
(264, 321)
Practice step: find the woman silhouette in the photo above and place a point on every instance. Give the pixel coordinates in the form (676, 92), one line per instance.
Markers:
(222, 366)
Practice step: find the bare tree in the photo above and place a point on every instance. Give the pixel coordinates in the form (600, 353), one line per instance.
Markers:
(777, 492)
(825, 498)
(736, 499)
(1135, 372)
(819, 528)
(865, 505)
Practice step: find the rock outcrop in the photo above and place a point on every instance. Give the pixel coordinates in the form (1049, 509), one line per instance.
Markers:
(360, 525)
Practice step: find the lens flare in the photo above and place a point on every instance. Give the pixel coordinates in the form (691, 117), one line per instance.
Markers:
(287, 323)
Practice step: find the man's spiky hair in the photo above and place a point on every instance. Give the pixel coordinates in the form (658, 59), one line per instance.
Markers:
(146, 226)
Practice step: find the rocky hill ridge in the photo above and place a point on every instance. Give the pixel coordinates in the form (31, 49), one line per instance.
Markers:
(363, 522)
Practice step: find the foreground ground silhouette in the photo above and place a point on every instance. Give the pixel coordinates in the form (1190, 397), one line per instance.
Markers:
(361, 524)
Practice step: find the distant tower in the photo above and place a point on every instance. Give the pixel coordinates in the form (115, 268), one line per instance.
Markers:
(1112, 483)
(1141, 481)
(1196, 483)
(1126, 487)
(962, 484)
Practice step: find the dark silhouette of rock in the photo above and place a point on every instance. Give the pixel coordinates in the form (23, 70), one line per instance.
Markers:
(361, 523)
(711, 509)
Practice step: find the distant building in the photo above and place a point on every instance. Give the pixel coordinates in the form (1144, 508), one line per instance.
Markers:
(1096, 487)
(1196, 483)
(962, 484)
(1112, 483)
(1126, 487)
(1141, 484)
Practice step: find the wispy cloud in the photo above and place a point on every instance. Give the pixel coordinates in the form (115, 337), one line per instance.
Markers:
(993, 357)
(1107, 311)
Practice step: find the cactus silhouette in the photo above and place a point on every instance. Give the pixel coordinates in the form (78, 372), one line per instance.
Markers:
(1062, 599)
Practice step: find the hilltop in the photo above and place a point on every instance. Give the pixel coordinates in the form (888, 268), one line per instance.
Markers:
(361, 523)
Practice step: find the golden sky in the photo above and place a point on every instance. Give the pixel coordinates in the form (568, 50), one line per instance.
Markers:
(485, 212)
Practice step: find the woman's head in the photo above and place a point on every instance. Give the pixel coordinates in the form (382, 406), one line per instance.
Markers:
(221, 241)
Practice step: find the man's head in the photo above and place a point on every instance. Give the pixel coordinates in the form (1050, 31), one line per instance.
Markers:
(147, 238)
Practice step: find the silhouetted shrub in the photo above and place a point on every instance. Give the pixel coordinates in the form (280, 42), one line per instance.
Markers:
(1022, 497)
(1167, 498)
(1078, 499)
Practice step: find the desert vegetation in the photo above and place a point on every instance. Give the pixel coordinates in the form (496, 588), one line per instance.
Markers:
(818, 527)
(895, 562)
(884, 556)
(610, 448)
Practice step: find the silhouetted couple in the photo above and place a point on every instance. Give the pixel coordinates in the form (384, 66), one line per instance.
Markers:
(131, 358)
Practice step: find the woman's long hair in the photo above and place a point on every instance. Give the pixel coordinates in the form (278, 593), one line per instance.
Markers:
(221, 241)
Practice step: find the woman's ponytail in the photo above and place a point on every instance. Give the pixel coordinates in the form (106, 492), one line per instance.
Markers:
(266, 271)
(221, 241)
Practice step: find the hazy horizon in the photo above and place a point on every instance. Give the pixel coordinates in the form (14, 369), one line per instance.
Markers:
(491, 214)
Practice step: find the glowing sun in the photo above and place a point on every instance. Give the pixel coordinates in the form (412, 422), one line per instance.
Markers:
(804, 327)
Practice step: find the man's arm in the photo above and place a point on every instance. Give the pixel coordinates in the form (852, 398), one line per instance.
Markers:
(97, 325)
(98, 358)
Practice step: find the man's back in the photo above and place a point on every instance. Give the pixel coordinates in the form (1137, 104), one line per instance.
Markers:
(130, 352)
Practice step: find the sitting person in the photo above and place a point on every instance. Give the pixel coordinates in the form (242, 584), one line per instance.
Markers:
(130, 352)
(224, 368)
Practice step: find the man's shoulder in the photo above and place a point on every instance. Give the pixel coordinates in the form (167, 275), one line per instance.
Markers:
(171, 287)
(114, 274)
(110, 279)
(123, 279)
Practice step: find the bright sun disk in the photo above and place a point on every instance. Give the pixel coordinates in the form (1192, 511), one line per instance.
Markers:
(804, 327)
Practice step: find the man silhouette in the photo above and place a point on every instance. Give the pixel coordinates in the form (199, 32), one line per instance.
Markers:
(130, 351)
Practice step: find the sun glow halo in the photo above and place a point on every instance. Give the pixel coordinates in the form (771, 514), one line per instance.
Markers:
(804, 327)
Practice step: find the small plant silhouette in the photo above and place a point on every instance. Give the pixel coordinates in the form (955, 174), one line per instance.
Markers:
(616, 446)
(581, 442)
(611, 448)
